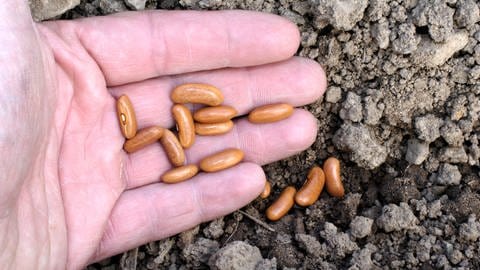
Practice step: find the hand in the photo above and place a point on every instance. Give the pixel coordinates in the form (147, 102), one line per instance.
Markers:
(69, 194)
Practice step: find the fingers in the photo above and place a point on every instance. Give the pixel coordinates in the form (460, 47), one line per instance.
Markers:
(261, 144)
(157, 211)
(298, 81)
(131, 47)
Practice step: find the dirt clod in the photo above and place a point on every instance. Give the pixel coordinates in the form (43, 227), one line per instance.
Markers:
(235, 256)
(311, 245)
(396, 190)
(366, 151)
(362, 259)
(447, 175)
(339, 242)
(465, 204)
(341, 14)
(361, 227)
(136, 4)
(470, 231)
(200, 251)
(396, 218)
(417, 151)
(428, 127)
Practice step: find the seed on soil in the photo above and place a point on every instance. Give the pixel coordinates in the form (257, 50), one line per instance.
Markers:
(270, 113)
(186, 128)
(126, 117)
(266, 190)
(333, 178)
(197, 93)
(179, 174)
(213, 129)
(172, 147)
(217, 114)
(143, 138)
(221, 160)
(282, 205)
(310, 191)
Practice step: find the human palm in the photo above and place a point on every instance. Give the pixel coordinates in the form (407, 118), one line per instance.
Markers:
(70, 195)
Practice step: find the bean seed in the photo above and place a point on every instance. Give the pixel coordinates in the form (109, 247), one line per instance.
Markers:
(217, 114)
(213, 129)
(311, 189)
(126, 117)
(282, 205)
(333, 178)
(221, 160)
(180, 174)
(172, 147)
(143, 138)
(266, 190)
(270, 113)
(197, 93)
(186, 128)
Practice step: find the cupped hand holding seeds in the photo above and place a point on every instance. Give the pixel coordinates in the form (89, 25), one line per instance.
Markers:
(70, 195)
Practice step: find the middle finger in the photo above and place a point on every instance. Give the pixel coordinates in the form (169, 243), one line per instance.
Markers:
(297, 81)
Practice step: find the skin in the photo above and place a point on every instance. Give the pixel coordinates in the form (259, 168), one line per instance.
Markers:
(70, 194)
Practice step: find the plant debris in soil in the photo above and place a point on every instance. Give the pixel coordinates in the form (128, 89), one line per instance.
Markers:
(401, 112)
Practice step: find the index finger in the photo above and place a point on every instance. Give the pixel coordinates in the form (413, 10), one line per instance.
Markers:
(131, 47)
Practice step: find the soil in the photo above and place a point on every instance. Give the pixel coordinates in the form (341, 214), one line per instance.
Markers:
(401, 113)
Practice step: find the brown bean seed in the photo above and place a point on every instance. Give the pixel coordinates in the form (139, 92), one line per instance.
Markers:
(217, 114)
(333, 178)
(282, 205)
(221, 160)
(270, 113)
(311, 189)
(180, 174)
(172, 147)
(266, 190)
(186, 128)
(143, 138)
(197, 93)
(213, 129)
(126, 117)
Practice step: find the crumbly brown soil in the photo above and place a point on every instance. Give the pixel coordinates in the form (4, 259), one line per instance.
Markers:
(397, 96)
